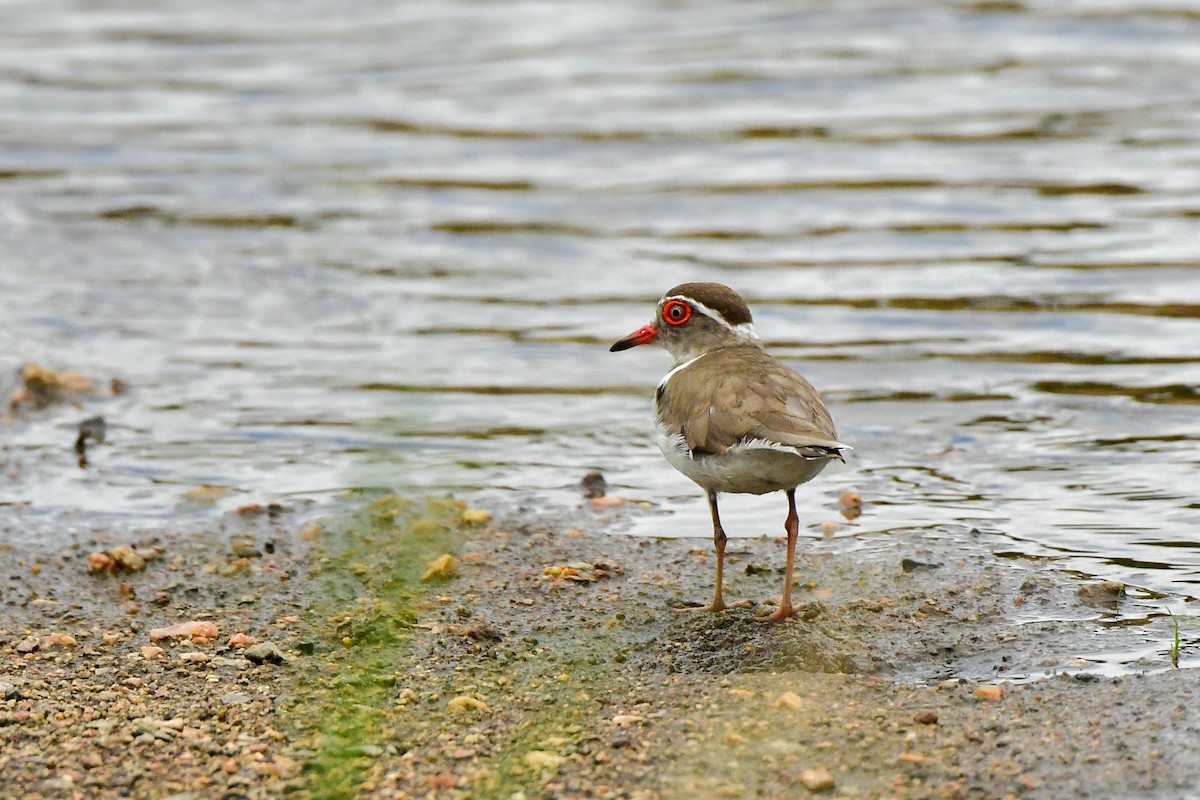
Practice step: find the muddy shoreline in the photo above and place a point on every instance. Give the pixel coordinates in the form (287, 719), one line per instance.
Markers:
(545, 660)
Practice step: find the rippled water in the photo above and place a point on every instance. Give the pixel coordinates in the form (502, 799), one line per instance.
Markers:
(333, 245)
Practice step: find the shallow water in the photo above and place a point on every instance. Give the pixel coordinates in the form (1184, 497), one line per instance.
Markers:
(331, 246)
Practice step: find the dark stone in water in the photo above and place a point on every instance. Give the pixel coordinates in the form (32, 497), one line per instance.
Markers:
(593, 485)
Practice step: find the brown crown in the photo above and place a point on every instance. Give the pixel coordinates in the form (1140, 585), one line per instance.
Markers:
(720, 298)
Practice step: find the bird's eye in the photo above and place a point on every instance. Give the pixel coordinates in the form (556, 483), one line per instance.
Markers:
(676, 312)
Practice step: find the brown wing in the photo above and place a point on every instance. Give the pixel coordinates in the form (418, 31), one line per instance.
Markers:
(738, 394)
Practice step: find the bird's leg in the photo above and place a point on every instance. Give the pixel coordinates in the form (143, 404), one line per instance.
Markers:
(792, 526)
(718, 603)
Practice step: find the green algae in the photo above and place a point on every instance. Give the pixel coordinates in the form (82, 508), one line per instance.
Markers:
(368, 580)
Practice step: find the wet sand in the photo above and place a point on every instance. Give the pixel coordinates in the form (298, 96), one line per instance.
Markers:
(545, 660)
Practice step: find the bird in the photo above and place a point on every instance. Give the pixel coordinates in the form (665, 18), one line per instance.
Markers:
(731, 417)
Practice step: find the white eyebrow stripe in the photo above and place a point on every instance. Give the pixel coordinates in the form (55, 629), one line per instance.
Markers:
(744, 329)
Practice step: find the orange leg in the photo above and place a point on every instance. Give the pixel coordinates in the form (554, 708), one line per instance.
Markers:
(719, 538)
(792, 526)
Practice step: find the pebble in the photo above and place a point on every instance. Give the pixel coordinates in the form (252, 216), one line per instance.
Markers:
(790, 701)
(198, 631)
(101, 562)
(58, 640)
(607, 501)
(1102, 591)
(235, 699)
(851, 505)
(989, 693)
(926, 717)
(265, 651)
(593, 485)
(467, 703)
(128, 558)
(28, 645)
(240, 640)
(817, 780)
(245, 548)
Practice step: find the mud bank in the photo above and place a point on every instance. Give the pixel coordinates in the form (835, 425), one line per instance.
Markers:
(544, 660)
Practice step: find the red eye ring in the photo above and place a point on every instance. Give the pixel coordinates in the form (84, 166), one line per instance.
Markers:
(676, 312)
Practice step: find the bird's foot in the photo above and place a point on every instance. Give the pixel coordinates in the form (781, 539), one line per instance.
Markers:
(719, 605)
(778, 615)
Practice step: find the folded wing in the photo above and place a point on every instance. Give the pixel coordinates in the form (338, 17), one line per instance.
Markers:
(761, 403)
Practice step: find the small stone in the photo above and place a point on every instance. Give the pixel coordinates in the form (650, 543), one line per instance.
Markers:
(195, 657)
(198, 631)
(235, 699)
(926, 717)
(467, 703)
(245, 548)
(28, 645)
(817, 780)
(1102, 592)
(789, 700)
(230, 766)
(851, 505)
(914, 758)
(989, 693)
(607, 501)
(100, 562)
(151, 652)
(91, 760)
(593, 485)
(8, 691)
(263, 652)
(240, 640)
(58, 640)
(128, 558)
(234, 567)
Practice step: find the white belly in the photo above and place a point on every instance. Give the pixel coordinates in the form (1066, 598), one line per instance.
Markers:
(754, 468)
